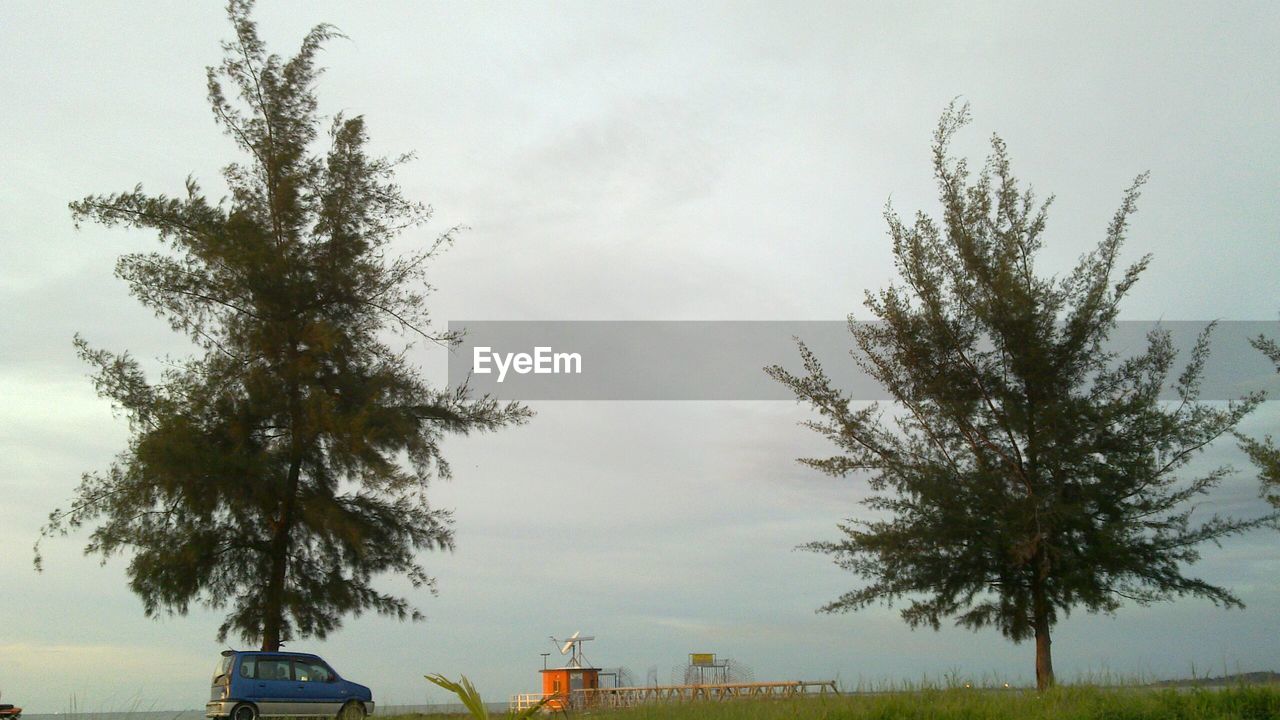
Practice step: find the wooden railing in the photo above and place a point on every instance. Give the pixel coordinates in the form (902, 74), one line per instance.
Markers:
(524, 700)
(630, 696)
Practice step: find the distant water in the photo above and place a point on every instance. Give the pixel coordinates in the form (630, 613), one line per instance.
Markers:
(382, 710)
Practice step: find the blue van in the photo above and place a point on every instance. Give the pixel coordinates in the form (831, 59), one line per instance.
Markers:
(250, 685)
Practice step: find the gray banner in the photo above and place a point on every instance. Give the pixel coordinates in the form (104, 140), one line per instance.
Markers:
(724, 360)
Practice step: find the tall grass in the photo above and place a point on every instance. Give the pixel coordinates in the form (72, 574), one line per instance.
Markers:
(1075, 702)
(1063, 703)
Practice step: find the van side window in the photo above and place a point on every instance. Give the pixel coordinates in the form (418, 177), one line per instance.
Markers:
(311, 671)
(247, 667)
(274, 669)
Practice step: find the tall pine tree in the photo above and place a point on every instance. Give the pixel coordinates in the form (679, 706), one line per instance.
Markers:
(285, 467)
(1025, 471)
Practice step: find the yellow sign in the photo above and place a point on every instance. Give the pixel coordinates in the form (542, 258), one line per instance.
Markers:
(702, 658)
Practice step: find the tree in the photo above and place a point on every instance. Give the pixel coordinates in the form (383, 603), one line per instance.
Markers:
(1264, 452)
(283, 468)
(1024, 471)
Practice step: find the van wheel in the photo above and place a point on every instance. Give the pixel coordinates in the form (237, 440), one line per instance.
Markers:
(351, 711)
(244, 711)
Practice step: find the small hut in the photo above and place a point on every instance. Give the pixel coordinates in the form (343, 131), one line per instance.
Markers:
(560, 683)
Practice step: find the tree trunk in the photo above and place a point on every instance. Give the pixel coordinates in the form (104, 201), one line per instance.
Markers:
(1044, 653)
(273, 605)
(273, 602)
(1044, 657)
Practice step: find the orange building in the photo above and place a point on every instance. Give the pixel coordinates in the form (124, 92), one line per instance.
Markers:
(560, 683)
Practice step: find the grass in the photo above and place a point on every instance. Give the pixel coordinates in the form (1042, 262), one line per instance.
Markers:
(1066, 703)
(1076, 702)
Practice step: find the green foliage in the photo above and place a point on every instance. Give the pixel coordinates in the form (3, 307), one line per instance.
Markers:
(470, 698)
(1025, 471)
(286, 466)
(1264, 452)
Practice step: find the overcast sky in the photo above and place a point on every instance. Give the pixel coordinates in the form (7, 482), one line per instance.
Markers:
(630, 161)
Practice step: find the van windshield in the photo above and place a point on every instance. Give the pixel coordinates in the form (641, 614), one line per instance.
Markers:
(222, 673)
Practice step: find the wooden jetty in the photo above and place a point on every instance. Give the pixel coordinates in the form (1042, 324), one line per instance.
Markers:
(622, 697)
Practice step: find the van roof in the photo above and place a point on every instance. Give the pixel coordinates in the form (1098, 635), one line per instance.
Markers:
(227, 653)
